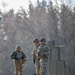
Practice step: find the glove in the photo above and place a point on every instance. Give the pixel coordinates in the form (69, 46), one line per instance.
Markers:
(23, 61)
(34, 61)
(34, 73)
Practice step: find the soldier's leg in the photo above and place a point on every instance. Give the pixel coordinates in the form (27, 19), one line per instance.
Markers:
(20, 68)
(38, 69)
(35, 70)
(45, 67)
(45, 70)
(16, 67)
(16, 72)
(42, 72)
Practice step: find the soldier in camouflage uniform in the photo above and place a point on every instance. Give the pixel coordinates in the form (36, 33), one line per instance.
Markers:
(36, 59)
(19, 58)
(43, 54)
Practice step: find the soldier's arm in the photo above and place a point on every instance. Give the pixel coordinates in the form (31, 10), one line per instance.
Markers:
(39, 54)
(23, 56)
(47, 50)
(12, 56)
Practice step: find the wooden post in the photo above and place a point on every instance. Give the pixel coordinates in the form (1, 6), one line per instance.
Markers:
(51, 44)
(58, 48)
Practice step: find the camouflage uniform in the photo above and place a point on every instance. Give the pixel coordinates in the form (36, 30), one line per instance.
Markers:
(19, 59)
(18, 67)
(44, 53)
(36, 59)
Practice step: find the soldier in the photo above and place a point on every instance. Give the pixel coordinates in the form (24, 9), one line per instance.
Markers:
(36, 59)
(19, 58)
(43, 54)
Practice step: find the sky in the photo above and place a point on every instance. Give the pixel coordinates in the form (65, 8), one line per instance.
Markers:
(15, 4)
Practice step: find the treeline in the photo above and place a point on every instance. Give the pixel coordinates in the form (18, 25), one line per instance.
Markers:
(43, 20)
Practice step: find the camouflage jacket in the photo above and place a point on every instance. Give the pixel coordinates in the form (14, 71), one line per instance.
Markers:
(43, 51)
(35, 53)
(18, 55)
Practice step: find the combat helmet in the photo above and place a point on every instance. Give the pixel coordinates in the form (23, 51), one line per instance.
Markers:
(18, 47)
(36, 40)
(42, 40)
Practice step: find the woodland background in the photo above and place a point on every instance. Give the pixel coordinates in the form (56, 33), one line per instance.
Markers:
(43, 20)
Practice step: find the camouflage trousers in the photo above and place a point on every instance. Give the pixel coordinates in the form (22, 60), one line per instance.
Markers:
(37, 65)
(44, 66)
(18, 67)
